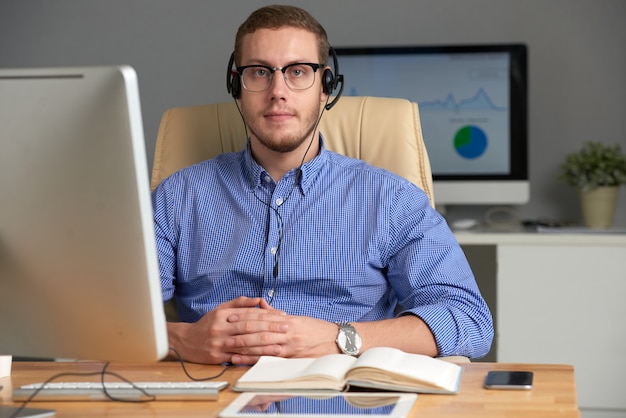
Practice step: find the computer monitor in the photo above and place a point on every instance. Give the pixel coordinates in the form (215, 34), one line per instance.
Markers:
(78, 266)
(473, 109)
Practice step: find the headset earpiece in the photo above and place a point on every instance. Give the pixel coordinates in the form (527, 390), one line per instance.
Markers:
(235, 86)
(330, 81)
(233, 81)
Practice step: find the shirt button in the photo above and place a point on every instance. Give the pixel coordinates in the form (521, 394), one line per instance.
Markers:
(270, 293)
(267, 179)
(273, 250)
(279, 201)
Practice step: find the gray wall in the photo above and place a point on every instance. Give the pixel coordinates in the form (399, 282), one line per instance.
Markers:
(180, 50)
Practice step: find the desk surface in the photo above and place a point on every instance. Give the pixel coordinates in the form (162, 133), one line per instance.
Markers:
(493, 237)
(553, 395)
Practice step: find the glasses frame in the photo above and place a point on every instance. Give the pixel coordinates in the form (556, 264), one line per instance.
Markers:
(272, 70)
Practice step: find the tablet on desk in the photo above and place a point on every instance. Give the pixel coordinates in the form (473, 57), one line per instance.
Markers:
(315, 404)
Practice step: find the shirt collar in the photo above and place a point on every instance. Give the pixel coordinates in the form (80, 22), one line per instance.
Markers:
(310, 169)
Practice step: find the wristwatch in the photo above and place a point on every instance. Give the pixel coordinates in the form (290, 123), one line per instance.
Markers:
(348, 339)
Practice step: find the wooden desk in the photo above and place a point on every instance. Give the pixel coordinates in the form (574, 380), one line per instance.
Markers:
(533, 326)
(554, 393)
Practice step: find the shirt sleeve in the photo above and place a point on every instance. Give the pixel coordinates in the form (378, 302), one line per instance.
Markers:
(165, 239)
(433, 280)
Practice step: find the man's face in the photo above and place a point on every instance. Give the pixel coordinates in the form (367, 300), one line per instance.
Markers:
(279, 118)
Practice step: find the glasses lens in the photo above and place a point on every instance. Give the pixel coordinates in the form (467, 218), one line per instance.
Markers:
(297, 77)
(256, 78)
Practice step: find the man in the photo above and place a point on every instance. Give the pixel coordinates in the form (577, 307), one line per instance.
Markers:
(267, 250)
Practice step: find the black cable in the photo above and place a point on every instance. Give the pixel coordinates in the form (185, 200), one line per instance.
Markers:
(279, 218)
(81, 374)
(50, 379)
(199, 379)
(114, 398)
(104, 372)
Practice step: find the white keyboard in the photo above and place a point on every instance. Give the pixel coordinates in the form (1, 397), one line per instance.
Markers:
(87, 391)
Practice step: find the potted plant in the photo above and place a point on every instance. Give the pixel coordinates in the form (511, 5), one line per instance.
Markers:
(597, 170)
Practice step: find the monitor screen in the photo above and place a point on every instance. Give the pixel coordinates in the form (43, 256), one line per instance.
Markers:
(473, 109)
(78, 266)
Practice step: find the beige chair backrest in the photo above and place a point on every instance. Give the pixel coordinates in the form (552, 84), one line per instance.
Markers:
(384, 132)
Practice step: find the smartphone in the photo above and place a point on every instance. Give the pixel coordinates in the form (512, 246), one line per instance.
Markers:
(499, 379)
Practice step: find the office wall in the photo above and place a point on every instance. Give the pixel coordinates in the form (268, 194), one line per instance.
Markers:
(180, 50)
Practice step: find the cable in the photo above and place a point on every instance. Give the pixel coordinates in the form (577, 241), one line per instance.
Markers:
(279, 218)
(100, 373)
(199, 379)
(50, 379)
(104, 372)
(122, 378)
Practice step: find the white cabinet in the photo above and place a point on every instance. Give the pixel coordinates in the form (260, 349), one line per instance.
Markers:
(561, 299)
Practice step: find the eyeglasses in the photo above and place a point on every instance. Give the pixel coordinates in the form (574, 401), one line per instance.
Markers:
(298, 76)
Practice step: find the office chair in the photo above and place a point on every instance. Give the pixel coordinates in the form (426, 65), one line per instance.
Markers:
(384, 132)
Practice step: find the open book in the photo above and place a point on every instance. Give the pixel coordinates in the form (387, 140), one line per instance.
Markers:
(380, 368)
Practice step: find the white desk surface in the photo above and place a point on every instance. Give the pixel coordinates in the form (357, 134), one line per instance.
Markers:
(566, 237)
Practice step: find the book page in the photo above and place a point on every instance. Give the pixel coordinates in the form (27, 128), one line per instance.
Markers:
(333, 365)
(278, 369)
(404, 368)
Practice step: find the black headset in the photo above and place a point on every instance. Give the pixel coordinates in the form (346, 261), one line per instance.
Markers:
(330, 81)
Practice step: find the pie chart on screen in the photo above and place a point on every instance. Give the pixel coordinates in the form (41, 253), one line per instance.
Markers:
(470, 142)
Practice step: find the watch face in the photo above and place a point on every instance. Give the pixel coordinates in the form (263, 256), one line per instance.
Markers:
(349, 341)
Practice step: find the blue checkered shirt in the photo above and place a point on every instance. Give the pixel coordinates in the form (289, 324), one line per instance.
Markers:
(341, 241)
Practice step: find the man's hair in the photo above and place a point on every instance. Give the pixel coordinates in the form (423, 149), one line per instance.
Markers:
(275, 17)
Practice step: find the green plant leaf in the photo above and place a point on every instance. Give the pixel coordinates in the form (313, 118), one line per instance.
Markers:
(594, 165)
